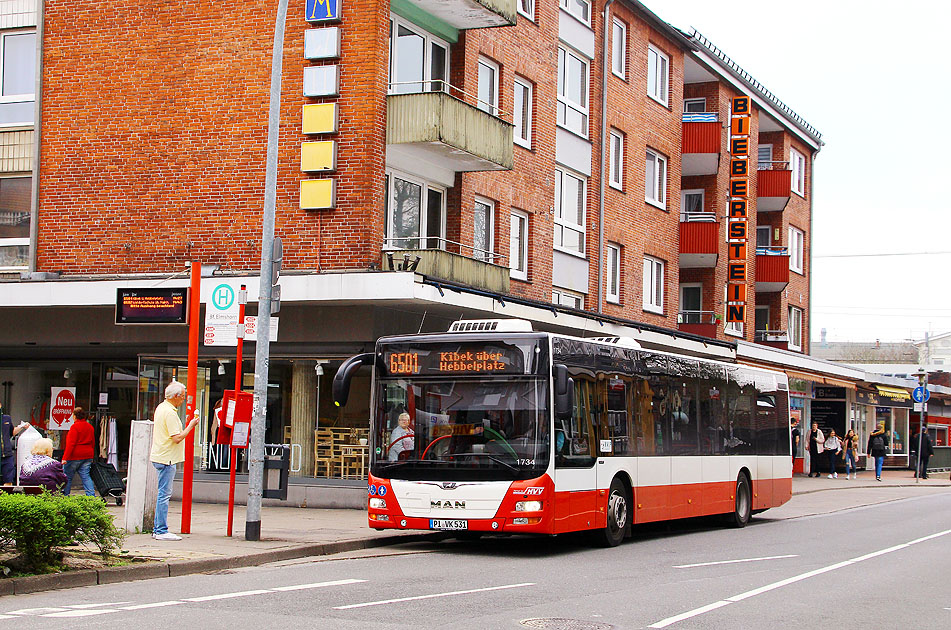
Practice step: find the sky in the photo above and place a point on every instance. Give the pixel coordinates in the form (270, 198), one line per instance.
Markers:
(874, 79)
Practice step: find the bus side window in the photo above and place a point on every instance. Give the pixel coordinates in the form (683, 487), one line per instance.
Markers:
(684, 438)
(714, 425)
(578, 450)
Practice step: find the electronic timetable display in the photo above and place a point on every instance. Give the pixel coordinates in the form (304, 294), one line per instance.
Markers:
(464, 359)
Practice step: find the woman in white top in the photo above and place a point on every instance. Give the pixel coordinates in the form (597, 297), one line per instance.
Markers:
(401, 438)
(832, 446)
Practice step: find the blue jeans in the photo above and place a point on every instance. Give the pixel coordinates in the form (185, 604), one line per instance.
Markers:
(850, 462)
(878, 466)
(166, 476)
(82, 466)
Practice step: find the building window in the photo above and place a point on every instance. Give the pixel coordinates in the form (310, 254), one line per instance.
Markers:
(619, 48)
(798, 164)
(567, 298)
(795, 328)
(655, 179)
(691, 202)
(613, 272)
(581, 9)
(658, 75)
(572, 92)
(764, 157)
(518, 245)
(695, 105)
(483, 214)
(617, 159)
(691, 304)
(733, 328)
(15, 195)
(653, 285)
(488, 86)
(763, 236)
(522, 113)
(415, 213)
(761, 320)
(527, 8)
(419, 61)
(796, 241)
(569, 211)
(18, 78)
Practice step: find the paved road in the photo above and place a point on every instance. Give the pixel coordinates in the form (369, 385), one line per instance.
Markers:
(879, 566)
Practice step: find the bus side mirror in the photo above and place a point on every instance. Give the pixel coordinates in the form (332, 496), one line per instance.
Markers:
(564, 392)
(341, 386)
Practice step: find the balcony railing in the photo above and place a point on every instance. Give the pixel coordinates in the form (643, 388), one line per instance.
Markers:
(445, 87)
(779, 336)
(700, 143)
(772, 250)
(433, 242)
(465, 14)
(703, 323)
(481, 269)
(772, 269)
(773, 185)
(699, 240)
(772, 165)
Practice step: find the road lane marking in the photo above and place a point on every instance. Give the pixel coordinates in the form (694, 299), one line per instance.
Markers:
(102, 605)
(434, 595)
(35, 611)
(710, 564)
(663, 623)
(173, 602)
(211, 598)
(301, 587)
(88, 612)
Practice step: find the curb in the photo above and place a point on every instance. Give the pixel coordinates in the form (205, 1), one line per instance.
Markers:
(878, 486)
(175, 568)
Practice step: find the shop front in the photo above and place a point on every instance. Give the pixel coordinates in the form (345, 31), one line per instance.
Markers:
(800, 414)
(887, 406)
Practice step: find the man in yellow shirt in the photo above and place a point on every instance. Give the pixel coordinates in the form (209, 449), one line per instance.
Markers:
(168, 449)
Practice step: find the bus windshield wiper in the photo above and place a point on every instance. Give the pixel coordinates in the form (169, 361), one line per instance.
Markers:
(492, 457)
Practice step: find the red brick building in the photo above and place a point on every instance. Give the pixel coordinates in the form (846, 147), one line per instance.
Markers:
(562, 161)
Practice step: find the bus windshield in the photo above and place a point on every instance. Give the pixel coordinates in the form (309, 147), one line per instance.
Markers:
(461, 429)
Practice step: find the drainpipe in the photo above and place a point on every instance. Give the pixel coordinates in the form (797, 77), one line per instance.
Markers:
(37, 111)
(604, 132)
(812, 183)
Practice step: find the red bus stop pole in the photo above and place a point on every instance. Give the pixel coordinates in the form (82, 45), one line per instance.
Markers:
(239, 333)
(194, 327)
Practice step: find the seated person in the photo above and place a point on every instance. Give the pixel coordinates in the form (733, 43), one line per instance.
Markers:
(401, 439)
(40, 469)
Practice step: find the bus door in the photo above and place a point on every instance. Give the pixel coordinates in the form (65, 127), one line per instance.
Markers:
(613, 422)
(575, 456)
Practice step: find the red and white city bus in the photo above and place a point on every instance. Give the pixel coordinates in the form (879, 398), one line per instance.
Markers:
(506, 430)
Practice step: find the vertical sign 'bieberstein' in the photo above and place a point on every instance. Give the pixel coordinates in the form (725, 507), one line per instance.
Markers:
(738, 217)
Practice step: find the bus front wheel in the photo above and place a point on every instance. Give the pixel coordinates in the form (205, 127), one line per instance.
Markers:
(619, 516)
(742, 503)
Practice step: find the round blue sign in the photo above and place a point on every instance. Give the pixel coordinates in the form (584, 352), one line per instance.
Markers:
(382, 490)
(372, 490)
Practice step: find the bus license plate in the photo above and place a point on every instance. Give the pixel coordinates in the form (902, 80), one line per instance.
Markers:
(435, 523)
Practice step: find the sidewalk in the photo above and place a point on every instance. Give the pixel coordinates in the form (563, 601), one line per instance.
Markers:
(289, 533)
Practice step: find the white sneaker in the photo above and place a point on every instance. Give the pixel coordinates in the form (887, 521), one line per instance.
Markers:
(830, 476)
(835, 475)
(166, 536)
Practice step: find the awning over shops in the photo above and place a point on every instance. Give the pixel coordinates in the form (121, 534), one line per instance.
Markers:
(819, 379)
(893, 393)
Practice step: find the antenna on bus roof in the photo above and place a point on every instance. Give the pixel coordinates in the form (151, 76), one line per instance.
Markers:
(421, 322)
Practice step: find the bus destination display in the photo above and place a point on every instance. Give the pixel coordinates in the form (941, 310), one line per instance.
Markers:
(152, 306)
(484, 360)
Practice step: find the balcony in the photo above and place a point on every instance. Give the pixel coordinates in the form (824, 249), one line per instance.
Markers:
(439, 132)
(703, 323)
(772, 269)
(773, 184)
(699, 240)
(465, 14)
(773, 338)
(700, 144)
(431, 257)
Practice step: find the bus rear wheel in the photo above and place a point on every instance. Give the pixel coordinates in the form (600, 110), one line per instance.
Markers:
(619, 516)
(742, 503)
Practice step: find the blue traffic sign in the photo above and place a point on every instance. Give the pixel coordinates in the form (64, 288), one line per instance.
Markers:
(920, 394)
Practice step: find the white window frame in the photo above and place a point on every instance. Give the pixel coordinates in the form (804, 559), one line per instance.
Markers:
(612, 275)
(578, 9)
(17, 241)
(797, 242)
(658, 86)
(26, 97)
(797, 162)
(560, 221)
(429, 39)
(518, 245)
(423, 210)
(489, 103)
(734, 329)
(523, 124)
(680, 305)
(616, 160)
(489, 254)
(683, 201)
(768, 230)
(764, 165)
(566, 102)
(653, 285)
(689, 101)
(561, 297)
(794, 326)
(619, 48)
(528, 11)
(660, 165)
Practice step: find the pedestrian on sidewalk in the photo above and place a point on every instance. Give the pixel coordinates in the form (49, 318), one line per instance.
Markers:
(40, 469)
(877, 444)
(926, 450)
(832, 446)
(79, 451)
(850, 452)
(795, 435)
(8, 458)
(816, 441)
(168, 449)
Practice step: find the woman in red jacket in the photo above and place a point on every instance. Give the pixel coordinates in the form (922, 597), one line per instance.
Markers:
(80, 444)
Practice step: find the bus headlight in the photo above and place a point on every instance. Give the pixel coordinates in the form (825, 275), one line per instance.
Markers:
(528, 506)
(377, 503)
